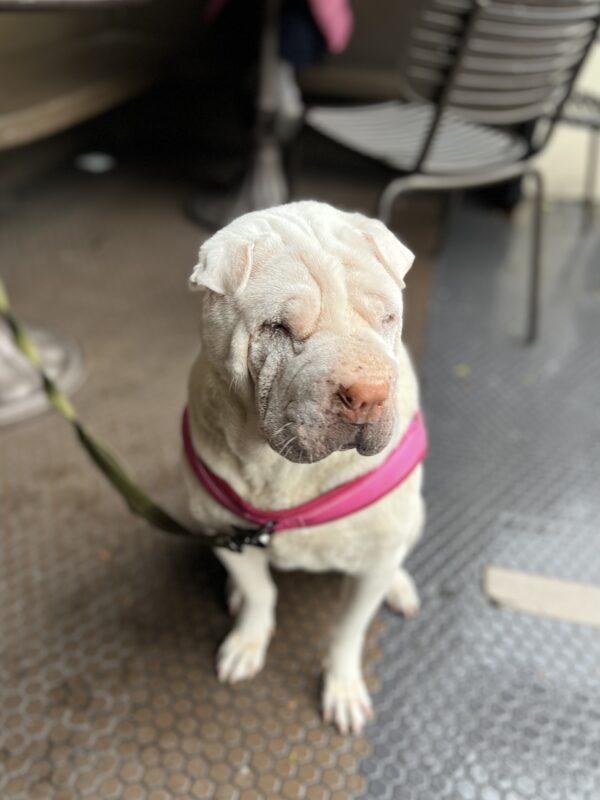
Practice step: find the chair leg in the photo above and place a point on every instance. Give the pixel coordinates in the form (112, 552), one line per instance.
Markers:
(533, 296)
(589, 202)
(388, 197)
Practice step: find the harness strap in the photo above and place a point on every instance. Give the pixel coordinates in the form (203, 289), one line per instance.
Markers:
(339, 502)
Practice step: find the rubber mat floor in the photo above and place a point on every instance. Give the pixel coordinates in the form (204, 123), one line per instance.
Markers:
(108, 632)
(475, 702)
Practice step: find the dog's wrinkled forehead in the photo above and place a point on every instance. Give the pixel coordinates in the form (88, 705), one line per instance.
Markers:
(314, 234)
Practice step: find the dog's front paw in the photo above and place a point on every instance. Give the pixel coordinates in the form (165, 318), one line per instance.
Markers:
(241, 656)
(346, 703)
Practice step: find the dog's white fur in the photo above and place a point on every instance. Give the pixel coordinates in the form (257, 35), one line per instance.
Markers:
(295, 301)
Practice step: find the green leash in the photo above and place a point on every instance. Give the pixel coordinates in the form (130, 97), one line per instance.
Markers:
(136, 499)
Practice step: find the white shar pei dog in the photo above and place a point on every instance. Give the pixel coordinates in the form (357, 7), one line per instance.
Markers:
(302, 384)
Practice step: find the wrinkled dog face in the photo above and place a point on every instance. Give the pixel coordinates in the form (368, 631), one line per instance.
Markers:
(302, 313)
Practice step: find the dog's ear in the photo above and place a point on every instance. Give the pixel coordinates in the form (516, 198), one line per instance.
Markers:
(223, 269)
(395, 257)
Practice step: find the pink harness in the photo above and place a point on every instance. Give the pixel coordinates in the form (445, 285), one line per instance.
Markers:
(339, 502)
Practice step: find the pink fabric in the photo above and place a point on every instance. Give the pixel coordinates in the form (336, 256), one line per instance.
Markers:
(335, 20)
(337, 503)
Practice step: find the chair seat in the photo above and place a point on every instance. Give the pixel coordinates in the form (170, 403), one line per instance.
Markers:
(394, 133)
(582, 109)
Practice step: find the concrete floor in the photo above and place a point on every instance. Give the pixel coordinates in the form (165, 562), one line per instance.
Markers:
(109, 629)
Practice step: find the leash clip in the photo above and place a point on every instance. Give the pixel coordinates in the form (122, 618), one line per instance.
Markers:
(242, 537)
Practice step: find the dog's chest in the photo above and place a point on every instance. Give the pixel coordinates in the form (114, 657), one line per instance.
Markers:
(337, 547)
(388, 529)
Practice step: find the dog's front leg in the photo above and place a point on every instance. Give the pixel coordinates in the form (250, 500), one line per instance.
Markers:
(346, 701)
(243, 652)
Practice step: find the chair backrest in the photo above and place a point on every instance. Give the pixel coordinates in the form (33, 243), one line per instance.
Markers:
(499, 62)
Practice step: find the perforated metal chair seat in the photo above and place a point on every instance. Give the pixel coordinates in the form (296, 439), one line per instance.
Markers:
(394, 132)
(582, 109)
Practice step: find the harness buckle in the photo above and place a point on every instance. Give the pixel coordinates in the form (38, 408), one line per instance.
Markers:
(242, 537)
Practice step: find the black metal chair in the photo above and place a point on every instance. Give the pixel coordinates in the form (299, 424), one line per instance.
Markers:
(472, 74)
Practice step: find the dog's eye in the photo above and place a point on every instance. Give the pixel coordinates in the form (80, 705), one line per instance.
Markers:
(276, 327)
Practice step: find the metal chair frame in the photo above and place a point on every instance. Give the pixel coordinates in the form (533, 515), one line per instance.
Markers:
(419, 179)
(469, 55)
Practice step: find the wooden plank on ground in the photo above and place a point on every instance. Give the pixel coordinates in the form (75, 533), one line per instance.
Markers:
(546, 597)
